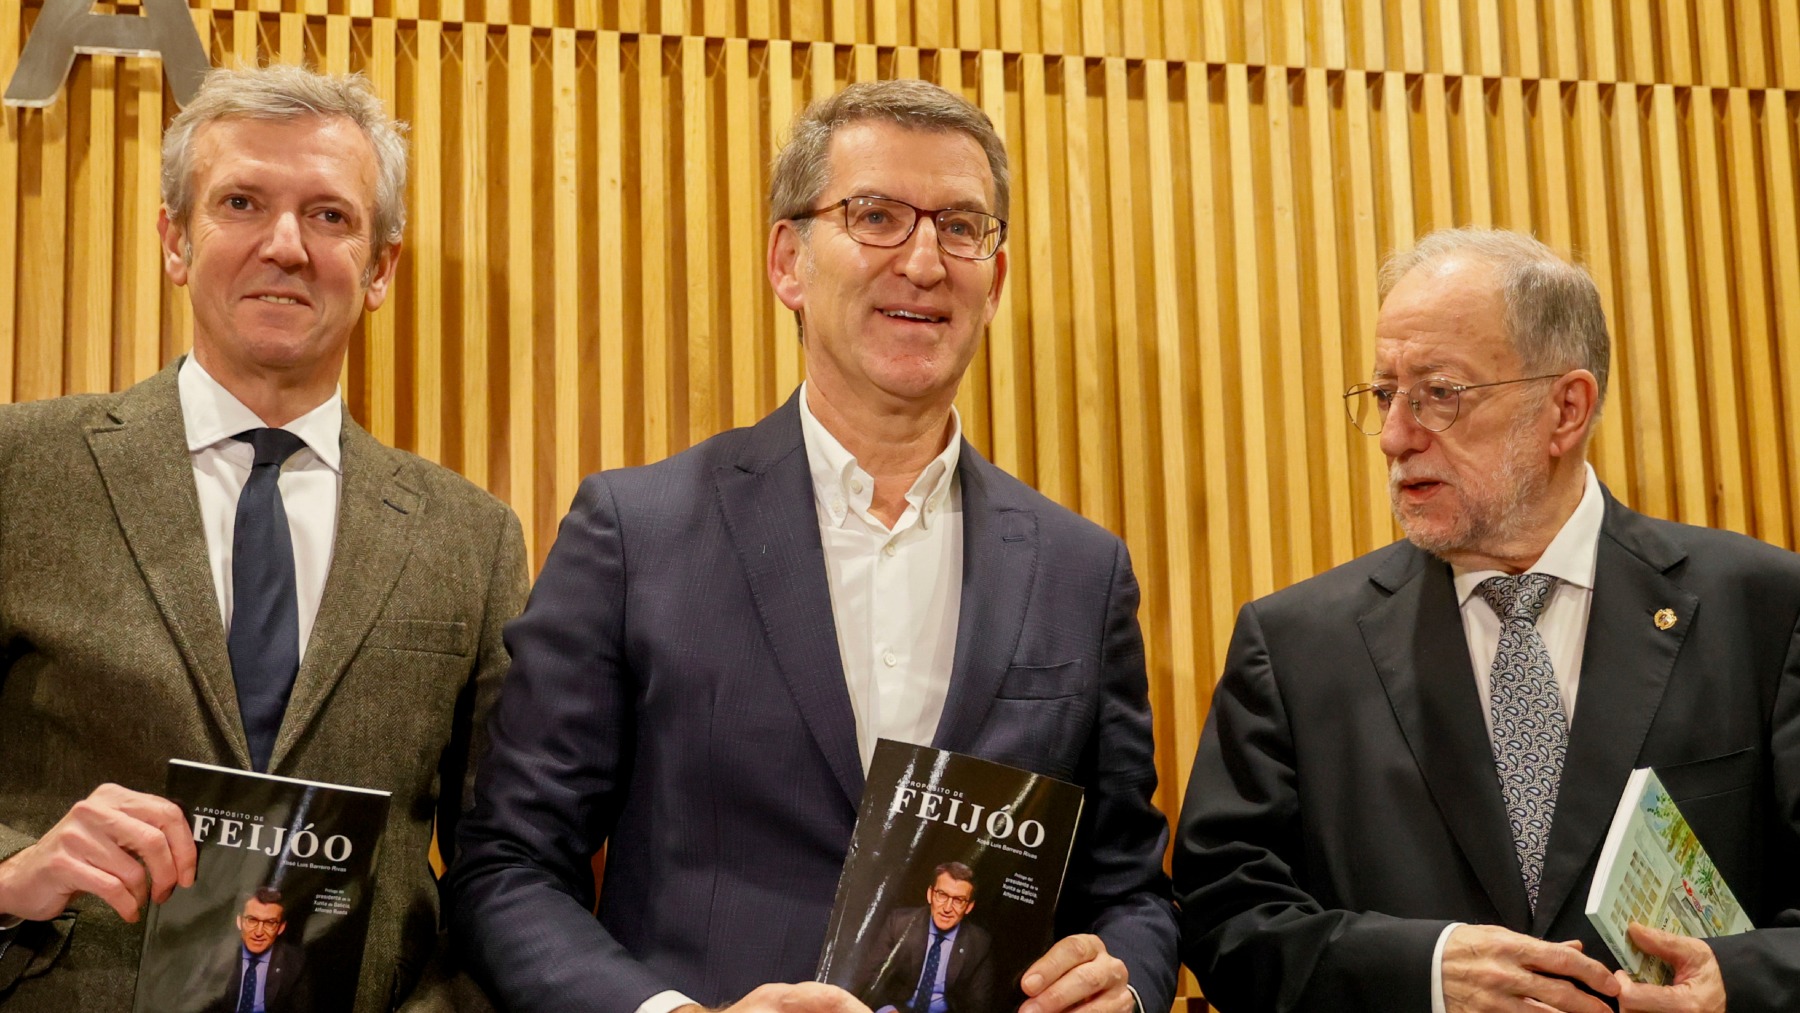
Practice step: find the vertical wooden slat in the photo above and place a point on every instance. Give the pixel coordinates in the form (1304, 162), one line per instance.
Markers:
(1288, 385)
(1371, 500)
(999, 416)
(91, 186)
(425, 255)
(1681, 370)
(1254, 435)
(1052, 416)
(379, 337)
(654, 252)
(142, 273)
(783, 103)
(1324, 298)
(473, 242)
(1637, 353)
(12, 129)
(566, 241)
(1715, 350)
(609, 248)
(745, 281)
(1779, 116)
(41, 279)
(521, 239)
(1095, 399)
(1759, 386)
(701, 339)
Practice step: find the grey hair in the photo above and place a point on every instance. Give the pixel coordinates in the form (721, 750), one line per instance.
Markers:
(284, 92)
(1554, 318)
(798, 177)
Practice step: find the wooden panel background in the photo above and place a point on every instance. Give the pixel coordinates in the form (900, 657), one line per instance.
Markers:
(1203, 194)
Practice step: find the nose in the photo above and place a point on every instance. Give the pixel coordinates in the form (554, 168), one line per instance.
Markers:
(1401, 433)
(921, 260)
(285, 245)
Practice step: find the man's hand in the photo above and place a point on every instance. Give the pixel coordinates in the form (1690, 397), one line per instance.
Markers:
(122, 846)
(1488, 968)
(1077, 970)
(1698, 985)
(806, 997)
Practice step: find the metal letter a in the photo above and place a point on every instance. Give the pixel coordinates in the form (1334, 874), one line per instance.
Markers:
(67, 27)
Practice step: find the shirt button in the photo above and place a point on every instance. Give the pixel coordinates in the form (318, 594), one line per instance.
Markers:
(890, 659)
(888, 550)
(856, 485)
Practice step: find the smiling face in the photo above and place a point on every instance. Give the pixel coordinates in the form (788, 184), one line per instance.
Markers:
(890, 327)
(951, 900)
(277, 251)
(260, 924)
(1472, 493)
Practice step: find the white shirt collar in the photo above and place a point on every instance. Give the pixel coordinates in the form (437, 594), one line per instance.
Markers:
(213, 415)
(841, 485)
(1571, 555)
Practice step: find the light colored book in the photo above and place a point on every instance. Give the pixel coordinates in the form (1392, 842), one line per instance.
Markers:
(1653, 871)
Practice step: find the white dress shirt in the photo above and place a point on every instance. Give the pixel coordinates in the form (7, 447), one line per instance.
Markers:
(309, 484)
(896, 595)
(1570, 558)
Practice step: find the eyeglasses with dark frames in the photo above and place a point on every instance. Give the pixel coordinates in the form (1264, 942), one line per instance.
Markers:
(884, 221)
(955, 903)
(1435, 402)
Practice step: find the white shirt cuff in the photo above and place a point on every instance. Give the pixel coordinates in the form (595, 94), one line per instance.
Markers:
(664, 1002)
(1136, 1000)
(1437, 967)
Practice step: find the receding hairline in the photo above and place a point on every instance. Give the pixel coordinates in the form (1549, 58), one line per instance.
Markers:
(989, 184)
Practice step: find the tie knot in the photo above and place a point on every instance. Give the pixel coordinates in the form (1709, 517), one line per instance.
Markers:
(273, 446)
(1521, 597)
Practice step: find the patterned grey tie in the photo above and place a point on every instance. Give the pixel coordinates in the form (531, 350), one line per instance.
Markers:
(1531, 734)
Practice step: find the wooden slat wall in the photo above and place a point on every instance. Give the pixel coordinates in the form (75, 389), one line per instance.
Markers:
(1204, 192)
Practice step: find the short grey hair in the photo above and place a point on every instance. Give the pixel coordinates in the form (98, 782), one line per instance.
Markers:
(283, 92)
(1554, 318)
(798, 177)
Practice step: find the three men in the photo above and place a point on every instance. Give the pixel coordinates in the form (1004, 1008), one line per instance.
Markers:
(218, 564)
(1412, 760)
(716, 641)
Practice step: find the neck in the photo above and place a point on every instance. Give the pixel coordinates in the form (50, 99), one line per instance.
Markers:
(892, 443)
(1542, 516)
(276, 398)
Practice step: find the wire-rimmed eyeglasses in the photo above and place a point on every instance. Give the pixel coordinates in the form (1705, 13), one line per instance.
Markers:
(1435, 402)
(884, 221)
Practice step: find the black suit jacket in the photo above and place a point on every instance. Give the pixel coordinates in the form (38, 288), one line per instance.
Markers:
(1344, 807)
(676, 694)
(285, 988)
(897, 958)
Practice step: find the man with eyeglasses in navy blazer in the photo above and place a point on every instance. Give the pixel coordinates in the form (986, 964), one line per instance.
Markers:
(718, 640)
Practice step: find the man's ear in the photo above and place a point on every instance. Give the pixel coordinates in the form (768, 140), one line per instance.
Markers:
(172, 240)
(1575, 397)
(993, 296)
(787, 251)
(382, 276)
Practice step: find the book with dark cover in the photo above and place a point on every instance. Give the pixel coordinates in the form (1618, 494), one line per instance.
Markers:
(1653, 871)
(955, 855)
(283, 887)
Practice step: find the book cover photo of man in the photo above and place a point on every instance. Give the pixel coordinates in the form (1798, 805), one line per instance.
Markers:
(932, 959)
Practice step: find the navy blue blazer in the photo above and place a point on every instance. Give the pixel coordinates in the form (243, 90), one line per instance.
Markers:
(1344, 807)
(677, 696)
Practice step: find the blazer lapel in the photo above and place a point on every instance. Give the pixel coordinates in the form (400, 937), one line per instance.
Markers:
(766, 499)
(1625, 667)
(1000, 550)
(1415, 639)
(376, 507)
(140, 449)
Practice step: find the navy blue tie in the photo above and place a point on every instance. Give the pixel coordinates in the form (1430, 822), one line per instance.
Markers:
(265, 609)
(247, 993)
(928, 980)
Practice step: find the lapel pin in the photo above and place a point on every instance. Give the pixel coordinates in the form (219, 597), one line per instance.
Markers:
(1664, 618)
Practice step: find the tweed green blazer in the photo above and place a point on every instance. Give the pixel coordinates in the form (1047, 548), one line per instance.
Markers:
(113, 660)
